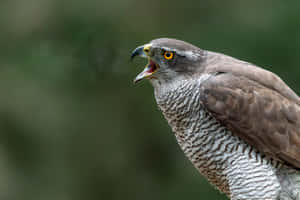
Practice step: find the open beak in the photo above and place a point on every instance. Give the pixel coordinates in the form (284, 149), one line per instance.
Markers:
(151, 67)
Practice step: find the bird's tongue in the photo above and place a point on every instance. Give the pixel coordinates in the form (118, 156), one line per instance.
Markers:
(148, 71)
(151, 67)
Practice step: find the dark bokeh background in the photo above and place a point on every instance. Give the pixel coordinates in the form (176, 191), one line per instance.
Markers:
(72, 124)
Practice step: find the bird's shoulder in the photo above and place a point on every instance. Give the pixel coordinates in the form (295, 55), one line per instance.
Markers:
(217, 62)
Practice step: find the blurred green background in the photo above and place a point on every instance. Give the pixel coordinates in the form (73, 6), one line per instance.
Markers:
(72, 124)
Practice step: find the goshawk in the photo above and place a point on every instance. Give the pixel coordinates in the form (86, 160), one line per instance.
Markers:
(237, 123)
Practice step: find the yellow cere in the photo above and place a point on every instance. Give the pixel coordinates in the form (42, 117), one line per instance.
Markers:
(168, 55)
(147, 48)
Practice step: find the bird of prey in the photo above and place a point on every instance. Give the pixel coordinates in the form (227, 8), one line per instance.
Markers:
(237, 123)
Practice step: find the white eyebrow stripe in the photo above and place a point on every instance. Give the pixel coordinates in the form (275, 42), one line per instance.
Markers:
(189, 54)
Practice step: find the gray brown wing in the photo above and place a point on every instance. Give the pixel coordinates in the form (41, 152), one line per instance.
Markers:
(259, 115)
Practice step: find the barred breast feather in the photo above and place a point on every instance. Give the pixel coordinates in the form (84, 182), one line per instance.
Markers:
(229, 162)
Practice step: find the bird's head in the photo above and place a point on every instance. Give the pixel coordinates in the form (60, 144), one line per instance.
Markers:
(168, 60)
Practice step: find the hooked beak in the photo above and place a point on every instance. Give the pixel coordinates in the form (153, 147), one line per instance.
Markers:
(151, 67)
(139, 51)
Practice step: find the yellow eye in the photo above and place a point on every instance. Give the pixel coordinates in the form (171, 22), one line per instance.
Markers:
(168, 55)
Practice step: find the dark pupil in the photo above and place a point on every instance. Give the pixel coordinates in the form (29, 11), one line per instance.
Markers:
(168, 55)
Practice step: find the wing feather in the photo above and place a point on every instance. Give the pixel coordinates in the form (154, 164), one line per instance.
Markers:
(257, 114)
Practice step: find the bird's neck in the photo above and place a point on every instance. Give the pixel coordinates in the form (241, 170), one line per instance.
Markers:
(181, 106)
(180, 100)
